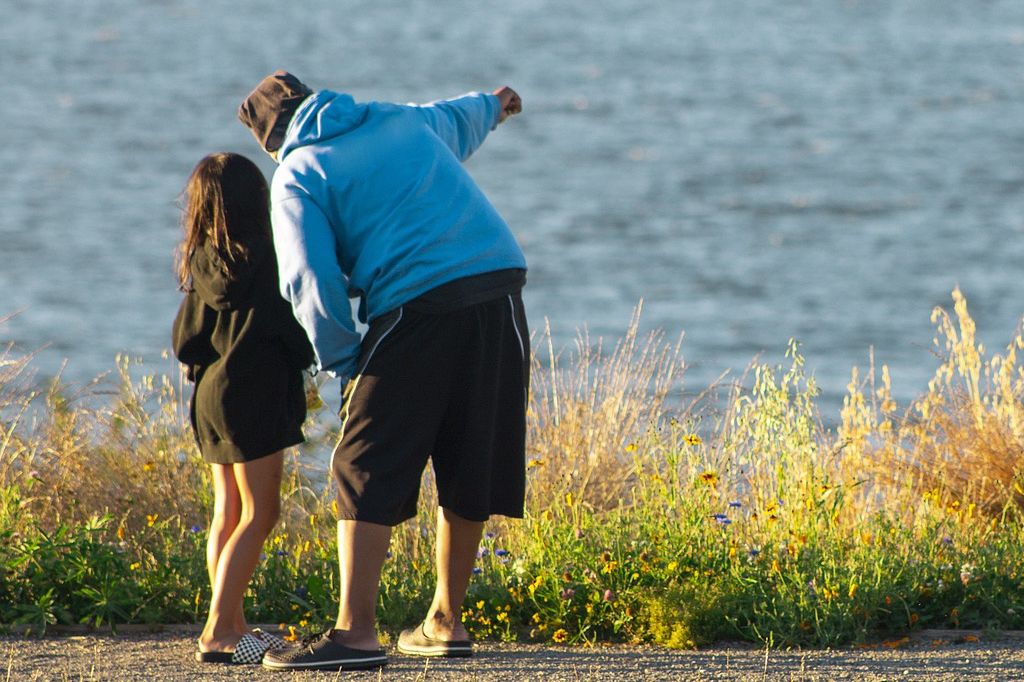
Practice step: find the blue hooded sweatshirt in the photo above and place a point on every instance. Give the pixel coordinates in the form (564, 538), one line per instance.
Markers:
(371, 201)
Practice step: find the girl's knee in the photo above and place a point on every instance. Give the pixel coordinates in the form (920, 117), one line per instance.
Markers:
(264, 517)
(225, 518)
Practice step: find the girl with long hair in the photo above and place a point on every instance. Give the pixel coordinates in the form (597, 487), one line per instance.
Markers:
(245, 353)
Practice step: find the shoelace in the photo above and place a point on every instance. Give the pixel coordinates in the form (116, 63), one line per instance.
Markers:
(315, 637)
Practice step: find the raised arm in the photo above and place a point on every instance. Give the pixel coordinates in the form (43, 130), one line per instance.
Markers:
(312, 281)
(464, 122)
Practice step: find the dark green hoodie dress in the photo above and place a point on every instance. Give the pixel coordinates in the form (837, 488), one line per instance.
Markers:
(245, 352)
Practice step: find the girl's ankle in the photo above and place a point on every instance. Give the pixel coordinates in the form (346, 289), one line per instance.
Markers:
(218, 641)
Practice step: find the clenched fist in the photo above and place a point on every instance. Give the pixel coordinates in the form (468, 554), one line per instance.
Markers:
(510, 102)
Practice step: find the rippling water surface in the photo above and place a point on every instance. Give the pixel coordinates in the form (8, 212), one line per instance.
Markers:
(754, 170)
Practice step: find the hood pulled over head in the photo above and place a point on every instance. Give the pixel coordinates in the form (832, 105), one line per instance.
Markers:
(269, 108)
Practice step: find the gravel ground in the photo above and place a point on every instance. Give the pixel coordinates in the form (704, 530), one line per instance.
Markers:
(168, 656)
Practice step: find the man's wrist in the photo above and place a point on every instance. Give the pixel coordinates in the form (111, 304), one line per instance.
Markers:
(496, 103)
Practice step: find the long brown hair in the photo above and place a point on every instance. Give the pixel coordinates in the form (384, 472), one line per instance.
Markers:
(226, 203)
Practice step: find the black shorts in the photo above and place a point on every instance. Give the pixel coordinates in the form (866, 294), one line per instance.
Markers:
(451, 387)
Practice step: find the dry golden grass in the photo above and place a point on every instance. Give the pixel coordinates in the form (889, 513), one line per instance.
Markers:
(584, 413)
(132, 458)
(961, 443)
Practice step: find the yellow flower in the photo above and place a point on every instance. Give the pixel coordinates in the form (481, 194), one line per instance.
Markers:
(151, 519)
(853, 590)
(480, 604)
(312, 520)
(291, 636)
(672, 565)
(629, 448)
(693, 439)
(568, 499)
(560, 636)
(303, 623)
(134, 566)
(709, 478)
(148, 466)
(502, 617)
(535, 463)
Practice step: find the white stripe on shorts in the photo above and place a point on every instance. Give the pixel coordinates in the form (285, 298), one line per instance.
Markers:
(348, 401)
(515, 325)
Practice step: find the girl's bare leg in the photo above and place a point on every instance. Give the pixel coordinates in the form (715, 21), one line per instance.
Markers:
(227, 510)
(259, 489)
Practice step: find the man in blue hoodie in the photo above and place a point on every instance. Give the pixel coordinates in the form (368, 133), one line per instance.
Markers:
(371, 201)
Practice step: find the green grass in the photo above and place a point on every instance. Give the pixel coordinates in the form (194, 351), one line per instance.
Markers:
(646, 522)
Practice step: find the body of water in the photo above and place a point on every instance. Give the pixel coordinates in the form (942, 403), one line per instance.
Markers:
(754, 170)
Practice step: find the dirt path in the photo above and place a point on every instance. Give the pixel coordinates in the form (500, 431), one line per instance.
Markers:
(168, 656)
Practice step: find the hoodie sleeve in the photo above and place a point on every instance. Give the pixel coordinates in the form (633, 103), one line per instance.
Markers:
(312, 281)
(463, 122)
(190, 335)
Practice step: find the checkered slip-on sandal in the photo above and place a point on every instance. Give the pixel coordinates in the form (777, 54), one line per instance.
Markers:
(415, 642)
(273, 643)
(248, 651)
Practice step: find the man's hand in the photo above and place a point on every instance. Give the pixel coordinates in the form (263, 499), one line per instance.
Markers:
(510, 102)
